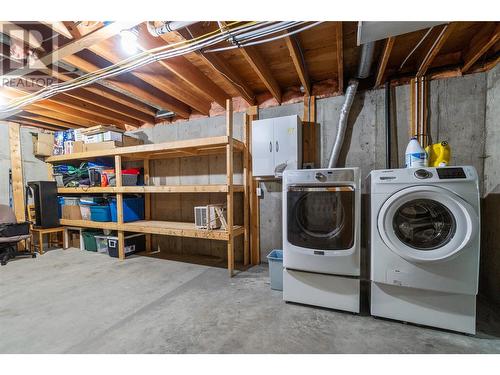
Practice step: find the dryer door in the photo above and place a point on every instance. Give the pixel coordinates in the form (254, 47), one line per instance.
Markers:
(427, 223)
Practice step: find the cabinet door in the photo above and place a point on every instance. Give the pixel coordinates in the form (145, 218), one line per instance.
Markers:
(286, 142)
(263, 147)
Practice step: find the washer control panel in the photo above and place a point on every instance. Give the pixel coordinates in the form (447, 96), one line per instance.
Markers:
(450, 173)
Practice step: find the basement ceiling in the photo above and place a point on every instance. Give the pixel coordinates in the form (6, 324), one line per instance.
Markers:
(316, 61)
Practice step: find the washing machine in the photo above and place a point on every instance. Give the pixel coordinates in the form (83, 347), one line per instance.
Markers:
(424, 241)
(321, 237)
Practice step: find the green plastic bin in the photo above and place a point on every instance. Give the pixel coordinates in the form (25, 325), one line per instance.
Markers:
(89, 240)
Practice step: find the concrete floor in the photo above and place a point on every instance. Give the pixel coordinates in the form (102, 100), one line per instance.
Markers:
(78, 302)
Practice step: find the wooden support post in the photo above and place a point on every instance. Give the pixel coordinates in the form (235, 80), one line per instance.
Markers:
(147, 203)
(412, 131)
(246, 243)
(119, 206)
(254, 209)
(16, 164)
(310, 149)
(230, 196)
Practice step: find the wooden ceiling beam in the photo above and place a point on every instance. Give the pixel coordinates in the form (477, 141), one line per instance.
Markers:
(152, 74)
(253, 57)
(295, 53)
(183, 69)
(384, 59)
(34, 124)
(443, 35)
(46, 120)
(59, 27)
(222, 69)
(165, 102)
(480, 45)
(339, 40)
(41, 111)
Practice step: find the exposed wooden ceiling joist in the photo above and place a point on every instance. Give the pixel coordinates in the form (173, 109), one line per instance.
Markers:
(153, 74)
(59, 27)
(181, 67)
(444, 34)
(66, 117)
(295, 53)
(45, 120)
(386, 53)
(480, 44)
(252, 56)
(164, 101)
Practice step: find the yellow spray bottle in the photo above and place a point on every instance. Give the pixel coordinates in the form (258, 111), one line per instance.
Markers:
(439, 154)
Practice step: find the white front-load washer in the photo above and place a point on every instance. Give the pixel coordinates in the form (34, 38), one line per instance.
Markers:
(424, 241)
(321, 237)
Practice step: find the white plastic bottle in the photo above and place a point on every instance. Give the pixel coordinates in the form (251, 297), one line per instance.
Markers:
(415, 155)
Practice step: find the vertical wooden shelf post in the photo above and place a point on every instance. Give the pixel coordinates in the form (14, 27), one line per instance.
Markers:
(246, 243)
(119, 207)
(254, 210)
(16, 166)
(147, 202)
(230, 192)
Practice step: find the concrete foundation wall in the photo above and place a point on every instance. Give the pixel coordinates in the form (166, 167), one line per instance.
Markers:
(490, 265)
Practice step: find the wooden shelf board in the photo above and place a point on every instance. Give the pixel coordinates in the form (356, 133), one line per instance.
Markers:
(167, 228)
(186, 148)
(152, 189)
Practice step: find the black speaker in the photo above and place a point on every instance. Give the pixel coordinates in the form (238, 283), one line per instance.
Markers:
(45, 199)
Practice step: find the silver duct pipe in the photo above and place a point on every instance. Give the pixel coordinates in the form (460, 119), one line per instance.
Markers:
(167, 26)
(365, 63)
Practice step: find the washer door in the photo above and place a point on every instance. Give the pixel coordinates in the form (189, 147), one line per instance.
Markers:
(427, 223)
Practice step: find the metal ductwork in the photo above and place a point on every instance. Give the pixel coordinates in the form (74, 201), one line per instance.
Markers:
(168, 26)
(365, 63)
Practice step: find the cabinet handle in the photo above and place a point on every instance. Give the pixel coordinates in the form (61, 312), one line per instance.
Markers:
(277, 146)
(270, 146)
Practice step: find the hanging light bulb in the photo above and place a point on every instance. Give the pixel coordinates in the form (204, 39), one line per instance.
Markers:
(129, 41)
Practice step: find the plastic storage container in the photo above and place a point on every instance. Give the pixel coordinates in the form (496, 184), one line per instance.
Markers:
(100, 212)
(275, 259)
(102, 243)
(70, 201)
(89, 241)
(133, 244)
(133, 209)
(85, 212)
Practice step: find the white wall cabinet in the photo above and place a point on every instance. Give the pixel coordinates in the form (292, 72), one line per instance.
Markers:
(276, 145)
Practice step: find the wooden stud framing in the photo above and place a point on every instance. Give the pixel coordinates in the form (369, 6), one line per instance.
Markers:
(389, 43)
(257, 63)
(339, 36)
(254, 207)
(246, 203)
(17, 171)
(119, 207)
(229, 195)
(310, 149)
(147, 202)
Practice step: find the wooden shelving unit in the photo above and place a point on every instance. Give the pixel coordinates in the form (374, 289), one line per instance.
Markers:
(193, 147)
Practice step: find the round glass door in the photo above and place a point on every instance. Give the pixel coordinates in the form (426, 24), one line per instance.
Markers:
(424, 224)
(427, 223)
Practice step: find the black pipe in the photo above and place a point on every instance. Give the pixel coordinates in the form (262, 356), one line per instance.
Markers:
(387, 125)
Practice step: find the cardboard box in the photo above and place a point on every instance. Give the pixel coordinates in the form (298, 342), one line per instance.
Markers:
(71, 213)
(78, 146)
(127, 141)
(74, 239)
(103, 137)
(43, 144)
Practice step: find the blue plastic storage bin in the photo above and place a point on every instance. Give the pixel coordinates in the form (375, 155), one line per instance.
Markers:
(60, 203)
(275, 259)
(133, 209)
(100, 212)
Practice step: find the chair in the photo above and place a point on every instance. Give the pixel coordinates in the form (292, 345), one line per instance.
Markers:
(40, 232)
(8, 245)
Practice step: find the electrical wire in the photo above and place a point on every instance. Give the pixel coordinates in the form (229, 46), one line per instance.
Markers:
(415, 48)
(237, 31)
